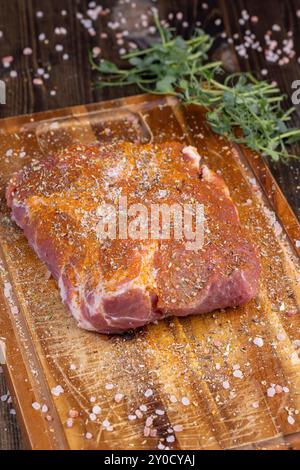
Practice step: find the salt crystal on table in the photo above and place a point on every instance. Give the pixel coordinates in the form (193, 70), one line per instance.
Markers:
(160, 412)
(118, 397)
(73, 413)
(1, 34)
(92, 416)
(3, 397)
(96, 409)
(185, 401)
(44, 409)
(271, 392)
(88, 435)
(238, 374)
(291, 420)
(12, 411)
(109, 386)
(178, 427)
(149, 421)
(69, 422)
(59, 47)
(148, 393)
(96, 51)
(297, 242)
(27, 51)
(39, 14)
(36, 406)
(170, 439)
(226, 384)
(37, 81)
(56, 391)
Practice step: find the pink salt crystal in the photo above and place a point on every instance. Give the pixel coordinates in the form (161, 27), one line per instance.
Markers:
(178, 427)
(27, 51)
(73, 413)
(185, 401)
(37, 81)
(226, 384)
(291, 420)
(149, 421)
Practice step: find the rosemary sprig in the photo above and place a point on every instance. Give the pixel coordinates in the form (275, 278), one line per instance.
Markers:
(246, 110)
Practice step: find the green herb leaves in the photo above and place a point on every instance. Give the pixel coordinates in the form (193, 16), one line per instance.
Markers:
(246, 110)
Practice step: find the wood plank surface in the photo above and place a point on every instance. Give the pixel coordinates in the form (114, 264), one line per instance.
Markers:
(72, 80)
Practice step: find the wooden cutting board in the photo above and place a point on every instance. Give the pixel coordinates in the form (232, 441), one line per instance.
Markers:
(228, 379)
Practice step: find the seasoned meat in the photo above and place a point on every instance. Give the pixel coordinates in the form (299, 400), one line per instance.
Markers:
(112, 284)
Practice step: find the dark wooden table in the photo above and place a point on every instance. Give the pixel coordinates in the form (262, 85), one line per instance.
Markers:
(69, 80)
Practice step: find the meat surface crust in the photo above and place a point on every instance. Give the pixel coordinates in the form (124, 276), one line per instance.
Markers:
(112, 285)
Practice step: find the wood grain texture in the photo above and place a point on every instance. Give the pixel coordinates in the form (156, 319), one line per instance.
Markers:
(44, 347)
(73, 79)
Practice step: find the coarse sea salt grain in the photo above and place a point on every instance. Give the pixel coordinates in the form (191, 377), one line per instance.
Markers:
(185, 401)
(118, 397)
(258, 342)
(35, 405)
(159, 412)
(238, 374)
(27, 51)
(271, 392)
(88, 435)
(69, 422)
(44, 409)
(291, 420)
(56, 391)
(148, 393)
(178, 427)
(226, 384)
(109, 386)
(96, 409)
